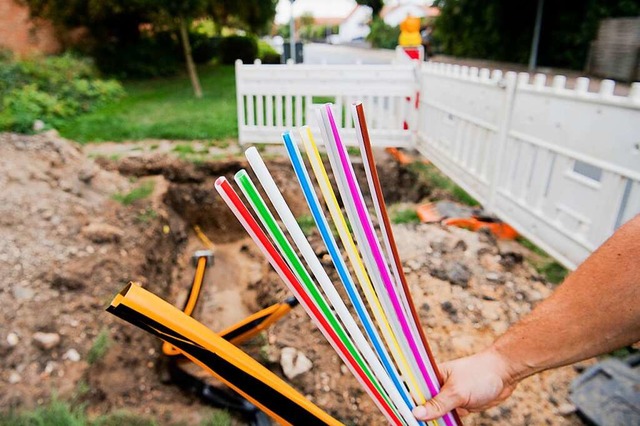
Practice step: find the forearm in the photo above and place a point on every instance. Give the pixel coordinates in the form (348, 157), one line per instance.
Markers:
(596, 310)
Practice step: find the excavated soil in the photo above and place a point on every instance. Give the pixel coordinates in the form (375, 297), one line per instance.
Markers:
(67, 247)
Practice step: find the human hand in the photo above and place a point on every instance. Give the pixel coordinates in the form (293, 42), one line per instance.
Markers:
(471, 384)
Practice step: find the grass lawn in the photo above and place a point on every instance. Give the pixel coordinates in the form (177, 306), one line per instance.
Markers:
(164, 108)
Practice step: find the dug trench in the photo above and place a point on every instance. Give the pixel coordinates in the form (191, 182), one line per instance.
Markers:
(88, 243)
(240, 282)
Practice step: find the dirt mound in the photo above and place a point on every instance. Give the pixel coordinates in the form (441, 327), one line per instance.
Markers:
(66, 248)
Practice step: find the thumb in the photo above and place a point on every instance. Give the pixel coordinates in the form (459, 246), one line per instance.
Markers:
(437, 406)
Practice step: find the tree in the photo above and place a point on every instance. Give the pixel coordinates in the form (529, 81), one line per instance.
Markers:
(254, 15)
(502, 29)
(375, 5)
(140, 37)
(179, 14)
(306, 26)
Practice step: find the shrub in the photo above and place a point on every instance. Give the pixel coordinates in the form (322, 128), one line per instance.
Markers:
(153, 55)
(26, 104)
(383, 35)
(50, 89)
(267, 54)
(203, 47)
(238, 47)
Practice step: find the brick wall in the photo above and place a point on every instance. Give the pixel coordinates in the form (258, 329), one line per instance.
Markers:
(23, 36)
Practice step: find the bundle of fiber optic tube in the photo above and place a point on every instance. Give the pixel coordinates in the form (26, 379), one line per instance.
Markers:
(386, 351)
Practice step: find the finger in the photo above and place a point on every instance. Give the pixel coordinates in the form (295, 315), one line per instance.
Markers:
(438, 406)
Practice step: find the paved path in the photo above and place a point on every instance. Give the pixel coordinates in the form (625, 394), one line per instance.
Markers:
(315, 53)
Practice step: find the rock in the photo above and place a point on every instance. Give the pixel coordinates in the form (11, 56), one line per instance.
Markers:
(50, 367)
(449, 308)
(438, 246)
(413, 264)
(12, 339)
(491, 263)
(461, 245)
(72, 355)
(87, 173)
(14, 378)
(319, 249)
(493, 413)
(23, 293)
(566, 409)
(499, 327)
(492, 311)
(459, 274)
(494, 277)
(67, 280)
(102, 233)
(510, 259)
(46, 341)
(534, 296)
(294, 362)
(438, 273)
(486, 236)
(38, 126)
(425, 307)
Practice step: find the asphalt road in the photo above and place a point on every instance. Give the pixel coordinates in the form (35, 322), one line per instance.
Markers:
(315, 53)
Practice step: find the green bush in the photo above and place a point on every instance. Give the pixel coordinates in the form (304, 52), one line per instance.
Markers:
(153, 55)
(271, 58)
(156, 54)
(238, 47)
(383, 35)
(267, 54)
(50, 89)
(203, 47)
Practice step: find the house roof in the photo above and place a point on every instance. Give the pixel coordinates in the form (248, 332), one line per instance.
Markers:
(327, 20)
(420, 11)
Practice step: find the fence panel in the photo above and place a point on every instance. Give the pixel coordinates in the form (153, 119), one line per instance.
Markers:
(388, 91)
(460, 114)
(577, 155)
(562, 166)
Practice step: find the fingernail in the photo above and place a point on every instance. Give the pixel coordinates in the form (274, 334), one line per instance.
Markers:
(420, 412)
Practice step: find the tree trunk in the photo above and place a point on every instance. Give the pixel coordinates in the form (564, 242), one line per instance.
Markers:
(191, 68)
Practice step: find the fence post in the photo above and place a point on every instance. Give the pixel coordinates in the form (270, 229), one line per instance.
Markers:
(240, 102)
(415, 112)
(510, 82)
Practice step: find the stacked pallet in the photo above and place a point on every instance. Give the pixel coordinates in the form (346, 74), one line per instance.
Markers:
(616, 51)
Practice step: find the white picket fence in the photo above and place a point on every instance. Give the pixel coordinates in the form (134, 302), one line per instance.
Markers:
(275, 98)
(560, 165)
